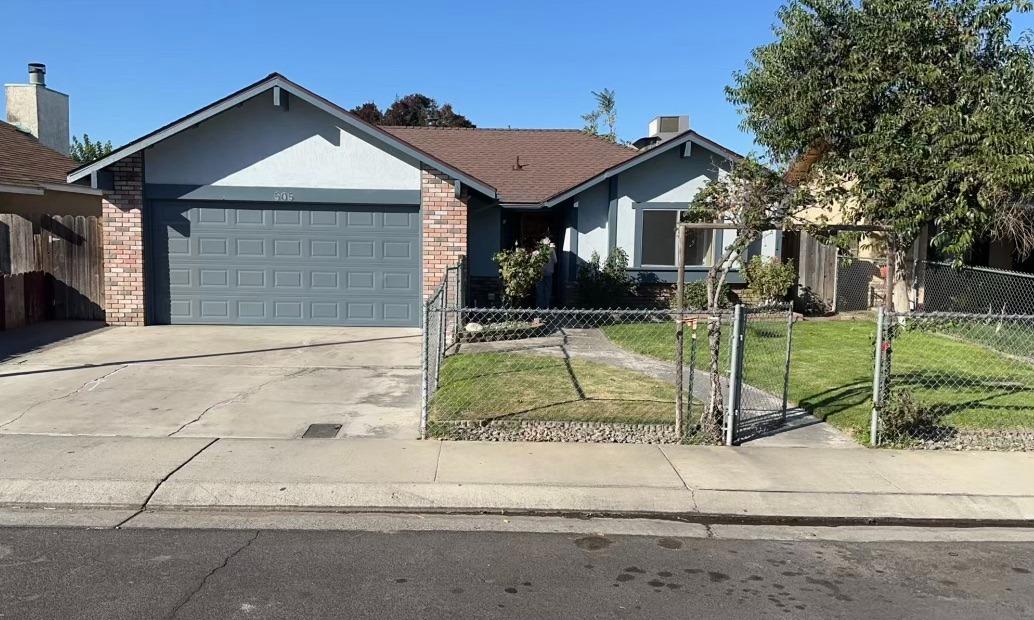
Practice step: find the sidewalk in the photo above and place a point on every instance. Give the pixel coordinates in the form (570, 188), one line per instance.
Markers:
(707, 484)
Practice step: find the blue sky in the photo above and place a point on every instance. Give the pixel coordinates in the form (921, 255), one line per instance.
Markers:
(130, 67)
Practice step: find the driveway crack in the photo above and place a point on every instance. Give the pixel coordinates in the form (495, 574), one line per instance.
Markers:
(211, 573)
(88, 386)
(239, 397)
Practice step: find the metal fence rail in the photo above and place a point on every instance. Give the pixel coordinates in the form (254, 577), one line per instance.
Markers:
(955, 380)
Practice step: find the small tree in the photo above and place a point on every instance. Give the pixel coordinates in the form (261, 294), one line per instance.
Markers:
(752, 199)
(87, 151)
(605, 111)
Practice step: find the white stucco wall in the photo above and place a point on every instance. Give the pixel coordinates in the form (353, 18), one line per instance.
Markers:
(259, 145)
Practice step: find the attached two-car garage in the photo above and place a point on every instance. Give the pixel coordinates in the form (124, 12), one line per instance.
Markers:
(291, 264)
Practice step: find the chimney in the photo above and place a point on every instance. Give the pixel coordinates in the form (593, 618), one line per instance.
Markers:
(662, 128)
(38, 110)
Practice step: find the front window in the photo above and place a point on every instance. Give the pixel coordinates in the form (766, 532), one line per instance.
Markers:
(657, 241)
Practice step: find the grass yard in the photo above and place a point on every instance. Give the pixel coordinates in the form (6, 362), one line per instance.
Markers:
(832, 364)
(516, 386)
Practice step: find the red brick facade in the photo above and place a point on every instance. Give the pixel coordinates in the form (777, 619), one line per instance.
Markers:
(444, 226)
(124, 244)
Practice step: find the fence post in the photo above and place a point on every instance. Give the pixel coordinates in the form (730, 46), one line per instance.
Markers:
(425, 376)
(692, 368)
(786, 368)
(732, 413)
(680, 328)
(877, 379)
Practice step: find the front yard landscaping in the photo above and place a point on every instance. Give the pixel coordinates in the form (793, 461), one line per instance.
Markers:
(832, 365)
(528, 386)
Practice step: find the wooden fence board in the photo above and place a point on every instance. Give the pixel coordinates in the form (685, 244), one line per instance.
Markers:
(68, 252)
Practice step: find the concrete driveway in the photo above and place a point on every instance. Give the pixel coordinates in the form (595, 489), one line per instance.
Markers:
(216, 381)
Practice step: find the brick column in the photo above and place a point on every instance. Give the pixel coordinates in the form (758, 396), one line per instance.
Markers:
(124, 244)
(444, 226)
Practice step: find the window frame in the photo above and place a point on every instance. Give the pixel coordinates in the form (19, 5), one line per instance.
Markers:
(674, 208)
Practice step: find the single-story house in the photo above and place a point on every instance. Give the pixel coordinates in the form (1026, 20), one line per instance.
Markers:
(274, 205)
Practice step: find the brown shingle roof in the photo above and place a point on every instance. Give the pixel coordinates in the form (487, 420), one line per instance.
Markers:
(25, 162)
(551, 160)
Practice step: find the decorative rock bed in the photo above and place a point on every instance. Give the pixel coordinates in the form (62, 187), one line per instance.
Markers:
(570, 432)
(965, 439)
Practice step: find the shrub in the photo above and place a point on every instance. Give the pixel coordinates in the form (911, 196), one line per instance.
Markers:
(603, 285)
(903, 417)
(694, 296)
(770, 278)
(520, 270)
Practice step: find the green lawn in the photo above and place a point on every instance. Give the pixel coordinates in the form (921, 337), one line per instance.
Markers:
(832, 364)
(516, 386)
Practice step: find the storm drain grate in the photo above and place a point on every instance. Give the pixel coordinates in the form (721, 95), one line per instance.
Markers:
(321, 431)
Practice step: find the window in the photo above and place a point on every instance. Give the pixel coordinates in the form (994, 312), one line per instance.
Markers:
(657, 241)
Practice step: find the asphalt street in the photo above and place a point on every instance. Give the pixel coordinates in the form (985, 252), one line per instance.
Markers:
(191, 573)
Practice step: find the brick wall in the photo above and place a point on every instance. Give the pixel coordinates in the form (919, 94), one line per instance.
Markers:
(123, 244)
(445, 226)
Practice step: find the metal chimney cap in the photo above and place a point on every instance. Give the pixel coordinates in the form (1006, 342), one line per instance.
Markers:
(37, 71)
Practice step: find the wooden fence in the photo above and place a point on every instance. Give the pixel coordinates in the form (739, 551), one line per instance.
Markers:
(817, 275)
(51, 268)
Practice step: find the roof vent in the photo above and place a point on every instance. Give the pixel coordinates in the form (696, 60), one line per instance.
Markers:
(37, 73)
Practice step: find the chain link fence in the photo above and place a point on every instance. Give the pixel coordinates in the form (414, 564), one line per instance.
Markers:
(763, 383)
(944, 288)
(954, 380)
(860, 283)
(626, 376)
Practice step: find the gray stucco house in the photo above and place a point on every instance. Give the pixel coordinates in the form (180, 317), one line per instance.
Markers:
(273, 205)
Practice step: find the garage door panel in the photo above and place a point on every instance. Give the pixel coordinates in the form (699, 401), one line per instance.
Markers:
(304, 265)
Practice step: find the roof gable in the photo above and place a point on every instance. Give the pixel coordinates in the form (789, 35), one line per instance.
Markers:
(686, 137)
(276, 82)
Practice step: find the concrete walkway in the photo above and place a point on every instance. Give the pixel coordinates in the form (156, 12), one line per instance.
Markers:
(709, 484)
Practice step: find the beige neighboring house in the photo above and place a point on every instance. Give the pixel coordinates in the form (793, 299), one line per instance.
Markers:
(34, 161)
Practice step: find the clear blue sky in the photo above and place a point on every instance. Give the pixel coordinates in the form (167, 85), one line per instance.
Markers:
(130, 67)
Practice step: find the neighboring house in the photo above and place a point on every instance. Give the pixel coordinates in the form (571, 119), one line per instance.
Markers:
(34, 161)
(274, 205)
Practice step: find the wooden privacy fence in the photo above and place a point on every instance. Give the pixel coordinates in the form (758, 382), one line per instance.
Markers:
(51, 267)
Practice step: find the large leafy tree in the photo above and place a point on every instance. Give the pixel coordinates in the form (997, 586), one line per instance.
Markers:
(86, 151)
(413, 110)
(922, 110)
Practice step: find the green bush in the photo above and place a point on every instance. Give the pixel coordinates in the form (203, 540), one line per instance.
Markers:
(694, 296)
(520, 270)
(604, 285)
(903, 417)
(769, 278)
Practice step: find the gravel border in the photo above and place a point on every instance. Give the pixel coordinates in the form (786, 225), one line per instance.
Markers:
(568, 432)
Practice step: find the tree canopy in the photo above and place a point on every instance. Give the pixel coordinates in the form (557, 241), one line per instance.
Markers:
(925, 106)
(87, 151)
(413, 110)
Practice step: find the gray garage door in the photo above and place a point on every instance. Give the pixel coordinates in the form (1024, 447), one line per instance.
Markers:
(293, 265)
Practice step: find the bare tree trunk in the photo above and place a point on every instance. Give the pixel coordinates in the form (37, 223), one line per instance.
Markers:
(714, 414)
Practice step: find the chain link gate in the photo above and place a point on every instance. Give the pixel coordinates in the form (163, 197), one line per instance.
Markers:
(759, 371)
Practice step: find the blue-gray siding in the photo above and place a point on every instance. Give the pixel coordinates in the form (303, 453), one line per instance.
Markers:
(260, 264)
